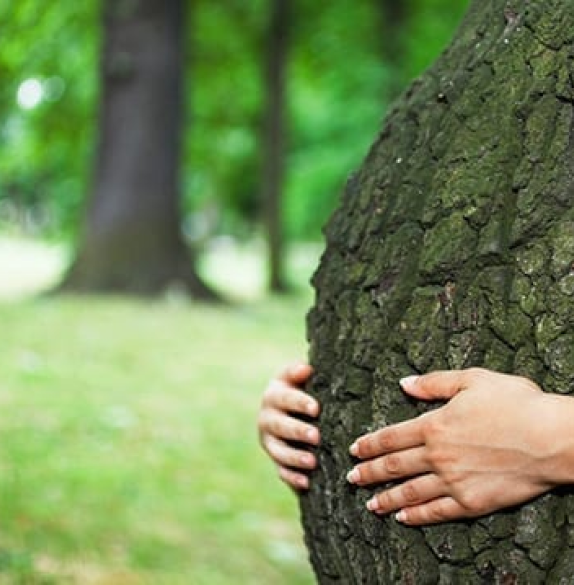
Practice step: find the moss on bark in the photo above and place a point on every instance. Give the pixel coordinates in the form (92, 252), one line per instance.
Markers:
(452, 247)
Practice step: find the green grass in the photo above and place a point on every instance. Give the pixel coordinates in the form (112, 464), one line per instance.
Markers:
(128, 450)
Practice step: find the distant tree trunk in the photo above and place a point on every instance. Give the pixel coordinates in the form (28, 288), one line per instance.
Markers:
(394, 19)
(132, 241)
(453, 246)
(273, 143)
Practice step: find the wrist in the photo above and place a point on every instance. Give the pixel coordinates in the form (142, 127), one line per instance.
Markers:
(557, 424)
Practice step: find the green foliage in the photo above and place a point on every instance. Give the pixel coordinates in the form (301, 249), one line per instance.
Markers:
(336, 89)
(225, 98)
(338, 82)
(45, 151)
(431, 26)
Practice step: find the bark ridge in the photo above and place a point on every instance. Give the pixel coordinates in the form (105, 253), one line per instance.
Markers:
(453, 246)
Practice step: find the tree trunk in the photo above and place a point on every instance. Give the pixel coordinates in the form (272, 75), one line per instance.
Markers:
(453, 246)
(393, 23)
(132, 241)
(273, 143)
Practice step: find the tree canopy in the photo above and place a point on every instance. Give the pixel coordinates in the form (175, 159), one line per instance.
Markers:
(337, 76)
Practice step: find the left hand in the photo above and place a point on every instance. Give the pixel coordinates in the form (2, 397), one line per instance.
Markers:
(278, 425)
(498, 442)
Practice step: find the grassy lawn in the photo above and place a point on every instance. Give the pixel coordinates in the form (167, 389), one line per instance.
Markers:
(128, 452)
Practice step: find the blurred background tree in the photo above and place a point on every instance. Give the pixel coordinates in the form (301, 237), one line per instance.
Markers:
(346, 61)
(274, 136)
(132, 240)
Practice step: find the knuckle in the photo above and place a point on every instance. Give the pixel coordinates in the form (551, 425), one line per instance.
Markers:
(386, 500)
(433, 428)
(446, 466)
(437, 512)
(270, 447)
(291, 459)
(300, 431)
(473, 504)
(428, 426)
(262, 422)
(365, 474)
(386, 439)
(474, 374)
(435, 457)
(410, 493)
(269, 393)
(279, 427)
(361, 447)
(392, 464)
(467, 504)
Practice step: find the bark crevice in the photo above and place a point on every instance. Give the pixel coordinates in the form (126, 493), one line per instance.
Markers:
(453, 246)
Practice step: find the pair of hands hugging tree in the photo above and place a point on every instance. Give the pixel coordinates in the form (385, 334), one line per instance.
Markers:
(498, 441)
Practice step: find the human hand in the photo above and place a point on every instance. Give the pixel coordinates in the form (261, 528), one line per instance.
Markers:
(498, 442)
(278, 424)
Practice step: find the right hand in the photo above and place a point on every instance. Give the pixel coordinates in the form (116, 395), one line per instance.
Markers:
(498, 442)
(278, 425)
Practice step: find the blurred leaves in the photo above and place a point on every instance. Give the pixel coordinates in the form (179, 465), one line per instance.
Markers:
(45, 151)
(338, 81)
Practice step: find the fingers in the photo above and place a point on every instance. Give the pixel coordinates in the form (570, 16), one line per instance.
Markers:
(433, 386)
(297, 373)
(280, 395)
(285, 455)
(420, 501)
(394, 438)
(298, 481)
(419, 490)
(437, 385)
(445, 509)
(393, 466)
(278, 424)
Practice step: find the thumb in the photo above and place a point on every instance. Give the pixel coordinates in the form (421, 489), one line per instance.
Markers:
(436, 385)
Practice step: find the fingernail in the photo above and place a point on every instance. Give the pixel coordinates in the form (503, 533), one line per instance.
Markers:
(303, 482)
(354, 475)
(372, 505)
(401, 516)
(354, 449)
(311, 435)
(311, 408)
(295, 371)
(408, 382)
(306, 459)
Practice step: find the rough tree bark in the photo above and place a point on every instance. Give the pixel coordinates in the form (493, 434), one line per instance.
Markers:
(453, 246)
(132, 240)
(273, 142)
